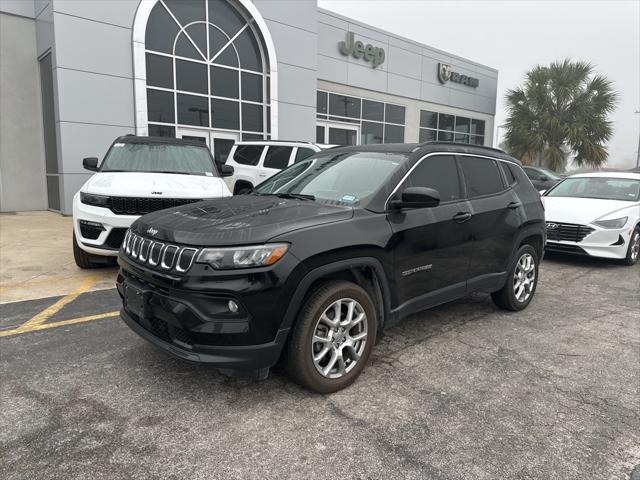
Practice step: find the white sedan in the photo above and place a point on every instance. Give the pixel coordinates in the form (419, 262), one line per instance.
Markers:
(596, 214)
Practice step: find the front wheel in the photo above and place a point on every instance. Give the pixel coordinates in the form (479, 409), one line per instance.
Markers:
(633, 251)
(85, 260)
(333, 337)
(521, 283)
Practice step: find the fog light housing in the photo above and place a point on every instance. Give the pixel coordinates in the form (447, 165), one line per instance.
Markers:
(90, 230)
(233, 306)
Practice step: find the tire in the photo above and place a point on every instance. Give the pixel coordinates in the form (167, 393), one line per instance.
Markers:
(316, 313)
(85, 260)
(633, 252)
(524, 268)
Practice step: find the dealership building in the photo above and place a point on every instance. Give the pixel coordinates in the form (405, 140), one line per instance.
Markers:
(74, 75)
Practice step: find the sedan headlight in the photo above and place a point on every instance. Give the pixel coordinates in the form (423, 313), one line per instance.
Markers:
(95, 200)
(243, 257)
(615, 223)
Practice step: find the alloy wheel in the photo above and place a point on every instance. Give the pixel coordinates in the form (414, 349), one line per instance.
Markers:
(635, 246)
(524, 277)
(339, 338)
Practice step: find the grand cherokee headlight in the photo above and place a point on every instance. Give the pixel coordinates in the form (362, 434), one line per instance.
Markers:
(615, 223)
(95, 200)
(243, 257)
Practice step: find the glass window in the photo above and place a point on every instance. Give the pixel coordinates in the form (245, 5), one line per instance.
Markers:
(393, 134)
(224, 82)
(252, 117)
(508, 174)
(463, 124)
(250, 58)
(221, 149)
(159, 71)
(321, 102)
(373, 110)
(440, 173)
(319, 134)
(225, 17)
(428, 119)
(342, 136)
(481, 176)
(477, 127)
(159, 157)
(531, 173)
(446, 122)
(187, 11)
(461, 138)
(193, 138)
(161, 30)
(161, 131)
(303, 153)
(445, 136)
(393, 114)
(191, 76)
(248, 154)
(344, 106)
(371, 132)
(185, 48)
(160, 106)
(477, 139)
(427, 135)
(225, 114)
(277, 157)
(252, 136)
(198, 33)
(217, 40)
(251, 87)
(193, 110)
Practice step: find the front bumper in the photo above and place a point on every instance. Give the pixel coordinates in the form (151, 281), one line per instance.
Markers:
(115, 226)
(602, 242)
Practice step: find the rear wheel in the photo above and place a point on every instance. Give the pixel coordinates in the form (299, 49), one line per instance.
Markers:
(521, 283)
(333, 337)
(633, 252)
(86, 260)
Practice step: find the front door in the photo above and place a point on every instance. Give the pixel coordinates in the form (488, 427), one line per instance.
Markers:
(219, 143)
(333, 133)
(431, 245)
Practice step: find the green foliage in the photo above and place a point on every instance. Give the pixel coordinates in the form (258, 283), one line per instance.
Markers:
(561, 109)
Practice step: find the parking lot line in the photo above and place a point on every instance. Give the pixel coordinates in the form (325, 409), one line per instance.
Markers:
(35, 327)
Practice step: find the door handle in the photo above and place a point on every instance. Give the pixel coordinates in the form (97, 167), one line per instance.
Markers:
(462, 217)
(514, 205)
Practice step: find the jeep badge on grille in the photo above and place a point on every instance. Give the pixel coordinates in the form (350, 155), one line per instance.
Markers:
(152, 231)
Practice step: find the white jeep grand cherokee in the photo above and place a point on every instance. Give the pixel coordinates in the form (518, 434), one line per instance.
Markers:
(139, 175)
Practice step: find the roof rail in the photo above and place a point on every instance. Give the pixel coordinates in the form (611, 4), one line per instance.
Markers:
(458, 144)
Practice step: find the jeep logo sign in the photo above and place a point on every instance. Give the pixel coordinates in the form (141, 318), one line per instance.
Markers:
(445, 74)
(372, 54)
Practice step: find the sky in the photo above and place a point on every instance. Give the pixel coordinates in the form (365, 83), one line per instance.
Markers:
(512, 36)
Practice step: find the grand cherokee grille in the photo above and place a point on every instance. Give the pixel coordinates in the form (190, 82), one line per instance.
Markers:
(158, 255)
(568, 232)
(142, 205)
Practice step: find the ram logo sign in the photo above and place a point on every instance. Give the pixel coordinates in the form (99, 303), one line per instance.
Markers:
(445, 74)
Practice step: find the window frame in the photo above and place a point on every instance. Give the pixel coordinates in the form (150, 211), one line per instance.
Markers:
(461, 185)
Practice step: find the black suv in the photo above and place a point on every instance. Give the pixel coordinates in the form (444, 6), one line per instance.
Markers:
(319, 258)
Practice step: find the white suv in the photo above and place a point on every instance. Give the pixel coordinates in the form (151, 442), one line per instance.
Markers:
(254, 162)
(139, 175)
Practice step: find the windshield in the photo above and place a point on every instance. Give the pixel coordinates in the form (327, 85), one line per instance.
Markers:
(598, 187)
(342, 178)
(159, 158)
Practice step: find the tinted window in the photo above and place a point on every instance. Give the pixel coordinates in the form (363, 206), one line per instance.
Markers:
(440, 173)
(481, 176)
(248, 154)
(344, 106)
(371, 132)
(321, 99)
(446, 122)
(531, 173)
(319, 134)
(277, 157)
(394, 114)
(393, 134)
(428, 119)
(224, 82)
(252, 117)
(373, 110)
(191, 76)
(511, 179)
(159, 71)
(160, 106)
(224, 114)
(303, 153)
(251, 87)
(427, 135)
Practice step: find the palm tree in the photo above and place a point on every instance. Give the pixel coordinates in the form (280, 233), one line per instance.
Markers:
(561, 110)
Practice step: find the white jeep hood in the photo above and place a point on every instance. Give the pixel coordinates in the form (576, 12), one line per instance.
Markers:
(144, 184)
(580, 210)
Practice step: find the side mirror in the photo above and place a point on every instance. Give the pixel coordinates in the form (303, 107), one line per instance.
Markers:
(417, 197)
(90, 163)
(226, 170)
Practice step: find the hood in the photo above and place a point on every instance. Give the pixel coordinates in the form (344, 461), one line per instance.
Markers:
(238, 220)
(164, 185)
(580, 210)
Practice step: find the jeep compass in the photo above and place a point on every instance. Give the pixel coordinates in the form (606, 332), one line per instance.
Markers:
(313, 263)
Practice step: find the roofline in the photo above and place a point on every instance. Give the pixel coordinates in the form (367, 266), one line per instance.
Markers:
(404, 39)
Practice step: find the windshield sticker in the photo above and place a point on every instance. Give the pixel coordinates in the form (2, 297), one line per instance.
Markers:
(118, 145)
(348, 198)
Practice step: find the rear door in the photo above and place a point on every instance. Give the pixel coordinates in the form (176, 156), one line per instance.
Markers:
(495, 220)
(432, 245)
(277, 158)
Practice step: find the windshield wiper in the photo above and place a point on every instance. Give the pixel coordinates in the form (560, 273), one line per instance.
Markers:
(297, 196)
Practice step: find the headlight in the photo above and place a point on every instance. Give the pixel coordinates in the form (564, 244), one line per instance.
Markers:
(95, 200)
(615, 223)
(243, 257)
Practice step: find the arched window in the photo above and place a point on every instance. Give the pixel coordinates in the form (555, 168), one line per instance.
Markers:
(207, 67)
